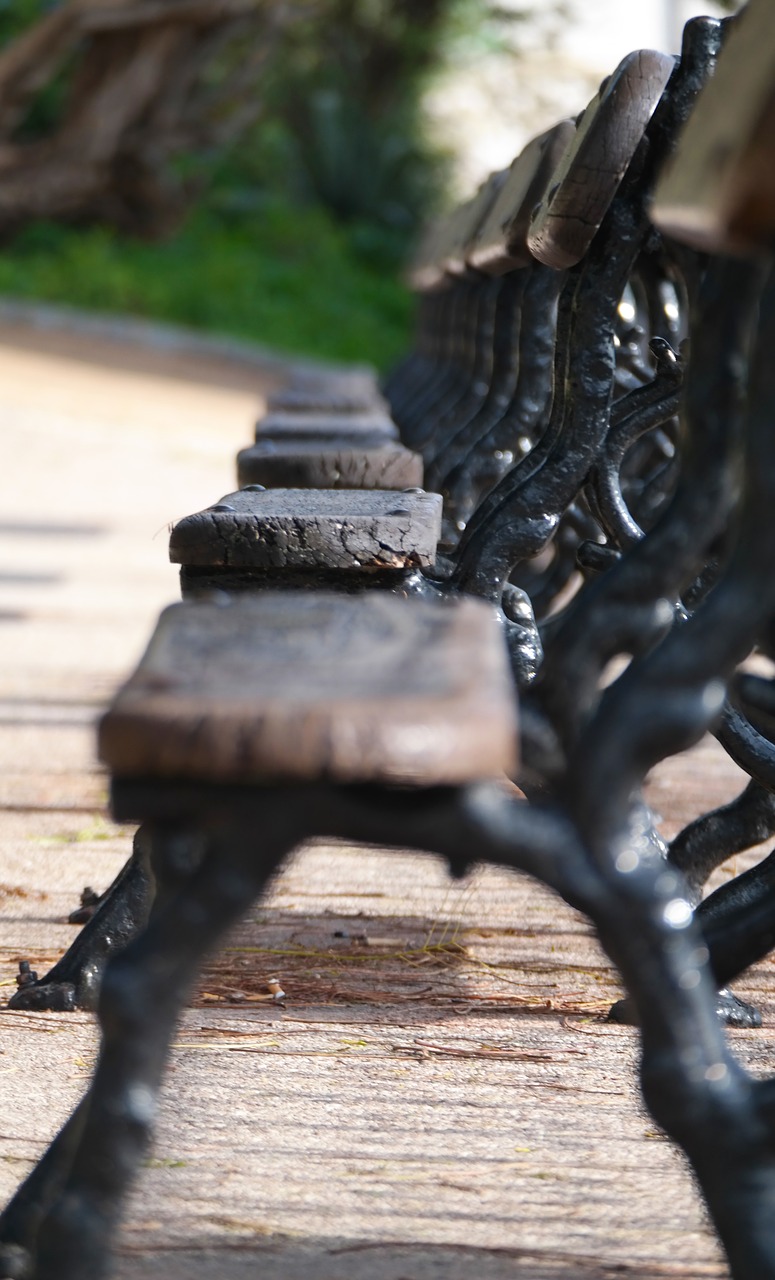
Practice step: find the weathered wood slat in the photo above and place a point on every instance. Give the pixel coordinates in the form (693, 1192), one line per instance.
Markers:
(333, 464)
(427, 270)
(718, 192)
(500, 244)
(455, 259)
(326, 399)
(588, 175)
(291, 529)
(300, 426)
(287, 686)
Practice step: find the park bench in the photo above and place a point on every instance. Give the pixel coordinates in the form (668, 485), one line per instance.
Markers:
(716, 194)
(564, 165)
(351, 540)
(256, 720)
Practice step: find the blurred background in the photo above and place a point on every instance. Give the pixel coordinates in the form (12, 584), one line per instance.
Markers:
(260, 168)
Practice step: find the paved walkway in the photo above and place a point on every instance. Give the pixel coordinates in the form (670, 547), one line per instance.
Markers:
(437, 1096)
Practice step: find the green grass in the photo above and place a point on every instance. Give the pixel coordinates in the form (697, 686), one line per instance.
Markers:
(285, 276)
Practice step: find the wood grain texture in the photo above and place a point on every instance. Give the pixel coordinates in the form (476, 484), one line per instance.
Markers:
(313, 424)
(335, 464)
(588, 174)
(311, 528)
(286, 686)
(500, 244)
(718, 191)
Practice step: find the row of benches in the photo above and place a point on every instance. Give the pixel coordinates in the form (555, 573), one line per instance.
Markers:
(330, 672)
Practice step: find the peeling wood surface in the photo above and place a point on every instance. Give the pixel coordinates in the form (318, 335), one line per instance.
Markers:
(454, 260)
(299, 529)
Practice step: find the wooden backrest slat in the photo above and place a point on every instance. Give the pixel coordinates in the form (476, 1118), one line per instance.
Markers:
(589, 173)
(500, 244)
(455, 259)
(442, 251)
(717, 192)
(428, 271)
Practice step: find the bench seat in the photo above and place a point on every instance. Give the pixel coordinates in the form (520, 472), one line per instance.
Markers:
(302, 529)
(313, 425)
(287, 686)
(330, 398)
(329, 464)
(353, 383)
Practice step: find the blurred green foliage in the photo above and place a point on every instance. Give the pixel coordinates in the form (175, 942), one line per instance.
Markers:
(282, 275)
(303, 223)
(17, 15)
(344, 95)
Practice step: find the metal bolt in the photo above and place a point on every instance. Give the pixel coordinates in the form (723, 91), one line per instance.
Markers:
(26, 976)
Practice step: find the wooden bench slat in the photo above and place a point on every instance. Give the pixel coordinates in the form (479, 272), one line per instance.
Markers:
(428, 270)
(297, 687)
(455, 257)
(423, 273)
(330, 464)
(589, 173)
(351, 380)
(500, 244)
(326, 400)
(311, 529)
(718, 191)
(300, 426)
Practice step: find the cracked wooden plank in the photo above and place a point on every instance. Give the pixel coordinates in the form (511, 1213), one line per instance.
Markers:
(311, 529)
(289, 686)
(333, 464)
(587, 177)
(717, 192)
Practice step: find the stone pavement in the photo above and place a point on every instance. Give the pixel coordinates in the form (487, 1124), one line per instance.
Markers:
(437, 1094)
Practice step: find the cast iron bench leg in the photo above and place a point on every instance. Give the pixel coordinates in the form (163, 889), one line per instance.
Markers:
(143, 992)
(74, 981)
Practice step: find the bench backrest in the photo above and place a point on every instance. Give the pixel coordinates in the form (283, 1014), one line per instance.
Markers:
(718, 192)
(589, 173)
(500, 244)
